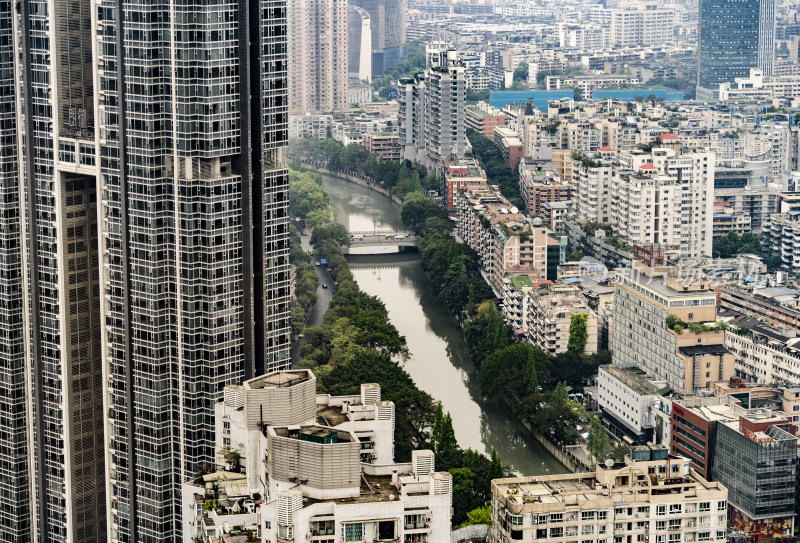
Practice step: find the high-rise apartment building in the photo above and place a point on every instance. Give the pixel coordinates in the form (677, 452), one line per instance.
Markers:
(734, 36)
(195, 251)
(53, 289)
(432, 110)
(388, 25)
(318, 58)
(145, 251)
(662, 197)
(15, 496)
(359, 43)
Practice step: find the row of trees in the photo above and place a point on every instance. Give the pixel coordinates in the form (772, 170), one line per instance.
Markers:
(306, 284)
(357, 343)
(531, 381)
(497, 171)
(453, 268)
(308, 198)
(400, 177)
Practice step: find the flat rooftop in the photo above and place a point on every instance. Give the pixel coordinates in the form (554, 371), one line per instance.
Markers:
(607, 482)
(280, 379)
(374, 488)
(715, 412)
(695, 350)
(637, 380)
(522, 281)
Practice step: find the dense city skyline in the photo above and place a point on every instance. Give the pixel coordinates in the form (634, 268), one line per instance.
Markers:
(207, 336)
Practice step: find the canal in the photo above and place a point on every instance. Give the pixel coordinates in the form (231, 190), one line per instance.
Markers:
(439, 363)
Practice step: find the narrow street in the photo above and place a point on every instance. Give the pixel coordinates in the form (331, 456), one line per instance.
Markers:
(324, 295)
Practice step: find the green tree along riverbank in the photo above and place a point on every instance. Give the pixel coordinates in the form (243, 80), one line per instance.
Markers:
(454, 272)
(357, 343)
(532, 382)
(399, 177)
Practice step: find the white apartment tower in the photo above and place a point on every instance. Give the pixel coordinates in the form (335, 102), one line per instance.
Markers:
(318, 56)
(662, 198)
(432, 113)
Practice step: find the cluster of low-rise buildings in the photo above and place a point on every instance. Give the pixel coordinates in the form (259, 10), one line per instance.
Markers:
(294, 465)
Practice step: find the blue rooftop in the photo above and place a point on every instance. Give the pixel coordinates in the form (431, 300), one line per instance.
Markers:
(501, 99)
(629, 95)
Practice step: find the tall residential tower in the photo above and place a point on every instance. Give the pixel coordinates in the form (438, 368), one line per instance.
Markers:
(57, 195)
(145, 251)
(318, 58)
(388, 23)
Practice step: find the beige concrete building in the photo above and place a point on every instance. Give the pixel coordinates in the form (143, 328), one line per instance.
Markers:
(726, 220)
(318, 54)
(507, 242)
(648, 500)
(687, 356)
(549, 316)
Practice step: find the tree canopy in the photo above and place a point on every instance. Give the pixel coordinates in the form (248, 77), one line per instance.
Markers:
(733, 244)
(521, 73)
(497, 171)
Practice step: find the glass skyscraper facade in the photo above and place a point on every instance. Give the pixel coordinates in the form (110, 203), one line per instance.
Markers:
(144, 251)
(734, 36)
(759, 471)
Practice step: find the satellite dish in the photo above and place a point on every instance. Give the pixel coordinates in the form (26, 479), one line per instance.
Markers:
(609, 463)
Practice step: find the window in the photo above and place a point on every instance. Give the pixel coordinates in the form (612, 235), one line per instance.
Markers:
(720, 534)
(587, 529)
(354, 532)
(587, 515)
(661, 510)
(721, 506)
(386, 529)
(674, 523)
(557, 532)
(557, 517)
(285, 532)
(703, 536)
(674, 538)
(796, 407)
(516, 520)
(661, 538)
(602, 515)
(704, 507)
(661, 525)
(675, 508)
